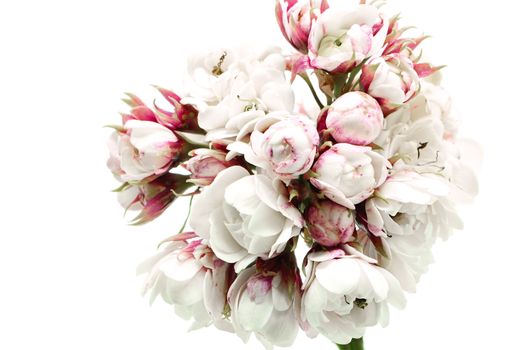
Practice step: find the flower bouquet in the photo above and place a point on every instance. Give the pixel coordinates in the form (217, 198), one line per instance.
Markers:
(304, 214)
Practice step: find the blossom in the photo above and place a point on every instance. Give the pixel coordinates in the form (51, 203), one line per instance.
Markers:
(369, 180)
(245, 217)
(142, 150)
(188, 276)
(341, 38)
(411, 233)
(241, 92)
(355, 118)
(392, 80)
(285, 145)
(203, 70)
(295, 20)
(266, 302)
(205, 164)
(330, 224)
(341, 308)
(348, 174)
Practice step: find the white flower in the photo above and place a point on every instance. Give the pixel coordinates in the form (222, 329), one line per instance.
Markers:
(410, 211)
(284, 145)
(403, 187)
(439, 105)
(330, 224)
(142, 150)
(239, 90)
(245, 217)
(349, 174)
(263, 303)
(355, 118)
(391, 80)
(346, 293)
(188, 276)
(341, 38)
(203, 70)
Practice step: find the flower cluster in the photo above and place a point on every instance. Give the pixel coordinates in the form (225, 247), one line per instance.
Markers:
(369, 183)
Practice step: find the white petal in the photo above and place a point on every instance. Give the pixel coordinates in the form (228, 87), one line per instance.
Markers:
(331, 275)
(221, 240)
(179, 271)
(212, 197)
(282, 328)
(187, 294)
(253, 316)
(241, 195)
(266, 222)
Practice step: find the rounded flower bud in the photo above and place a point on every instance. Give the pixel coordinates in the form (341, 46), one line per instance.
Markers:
(355, 118)
(330, 224)
(142, 150)
(283, 145)
(348, 174)
(205, 164)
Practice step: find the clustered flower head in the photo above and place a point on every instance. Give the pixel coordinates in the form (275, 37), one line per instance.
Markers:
(368, 183)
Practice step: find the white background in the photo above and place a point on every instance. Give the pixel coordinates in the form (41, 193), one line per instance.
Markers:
(67, 259)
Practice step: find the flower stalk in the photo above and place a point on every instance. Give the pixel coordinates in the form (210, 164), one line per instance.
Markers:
(305, 77)
(355, 344)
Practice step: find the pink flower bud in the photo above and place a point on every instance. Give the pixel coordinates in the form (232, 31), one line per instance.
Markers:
(177, 116)
(151, 199)
(295, 20)
(205, 164)
(330, 224)
(138, 110)
(180, 116)
(355, 118)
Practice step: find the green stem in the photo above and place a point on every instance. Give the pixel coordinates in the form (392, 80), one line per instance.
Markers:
(312, 89)
(356, 344)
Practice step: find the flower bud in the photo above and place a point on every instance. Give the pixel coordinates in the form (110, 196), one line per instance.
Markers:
(142, 150)
(181, 116)
(391, 80)
(284, 145)
(295, 20)
(355, 118)
(151, 199)
(205, 164)
(330, 224)
(348, 174)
